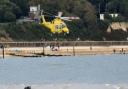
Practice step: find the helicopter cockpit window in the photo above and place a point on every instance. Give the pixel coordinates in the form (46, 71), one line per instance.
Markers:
(56, 27)
(63, 26)
(60, 27)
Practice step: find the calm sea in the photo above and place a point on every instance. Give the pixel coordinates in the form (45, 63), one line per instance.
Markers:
(92, 70)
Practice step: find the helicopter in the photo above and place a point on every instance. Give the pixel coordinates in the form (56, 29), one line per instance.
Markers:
(56, 25)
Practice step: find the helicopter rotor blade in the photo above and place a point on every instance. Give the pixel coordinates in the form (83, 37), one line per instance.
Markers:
(66, 19)
(25, 20)
(70, 18)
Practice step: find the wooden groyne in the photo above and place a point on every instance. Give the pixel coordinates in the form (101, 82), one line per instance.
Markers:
(24, 55)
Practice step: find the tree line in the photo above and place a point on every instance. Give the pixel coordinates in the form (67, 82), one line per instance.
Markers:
(89, 27)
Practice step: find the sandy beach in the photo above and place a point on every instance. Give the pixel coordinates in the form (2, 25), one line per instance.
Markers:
(66, 50)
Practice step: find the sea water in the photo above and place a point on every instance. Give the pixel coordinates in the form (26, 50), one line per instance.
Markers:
(69, 72)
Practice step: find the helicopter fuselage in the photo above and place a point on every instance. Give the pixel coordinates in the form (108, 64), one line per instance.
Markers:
(55, 26)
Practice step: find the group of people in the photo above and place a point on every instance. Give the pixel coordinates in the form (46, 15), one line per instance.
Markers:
(54, 47)
(121, 51)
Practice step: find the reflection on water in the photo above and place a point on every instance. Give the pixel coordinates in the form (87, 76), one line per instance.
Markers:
(99, 69)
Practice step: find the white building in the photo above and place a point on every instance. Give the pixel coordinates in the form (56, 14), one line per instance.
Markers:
(33, 9)
(102, 16)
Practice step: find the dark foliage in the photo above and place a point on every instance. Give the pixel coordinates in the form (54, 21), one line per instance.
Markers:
(89, 27)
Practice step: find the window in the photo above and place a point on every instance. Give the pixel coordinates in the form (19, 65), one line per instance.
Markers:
(56, 27)
(63, 26)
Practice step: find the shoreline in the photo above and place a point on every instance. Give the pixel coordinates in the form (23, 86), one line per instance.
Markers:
(64, 50)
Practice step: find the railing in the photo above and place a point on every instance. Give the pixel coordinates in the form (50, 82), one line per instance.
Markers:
(64, 43)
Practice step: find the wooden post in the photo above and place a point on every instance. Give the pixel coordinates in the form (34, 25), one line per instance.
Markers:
(2, 47)
(74, 49)
(3, 52)
(43, 49)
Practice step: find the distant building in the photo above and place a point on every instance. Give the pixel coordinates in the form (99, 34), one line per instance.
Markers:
(114, 15)
(118, 26)
(33, 9)
(115, 25)
(102, 16)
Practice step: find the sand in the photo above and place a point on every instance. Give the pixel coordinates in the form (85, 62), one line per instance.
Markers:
(67, 50)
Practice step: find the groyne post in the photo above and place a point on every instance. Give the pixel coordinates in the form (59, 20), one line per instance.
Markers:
(2, 47)
(74, 53)
(43, 49)
(3, 52)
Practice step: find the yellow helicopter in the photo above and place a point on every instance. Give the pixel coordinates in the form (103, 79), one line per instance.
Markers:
(57, 25)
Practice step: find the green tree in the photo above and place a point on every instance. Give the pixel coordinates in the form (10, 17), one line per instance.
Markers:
(23, 5)
(8, 11)
(9, 17)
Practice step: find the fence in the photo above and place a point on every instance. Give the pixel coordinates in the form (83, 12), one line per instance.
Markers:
(65, 43)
